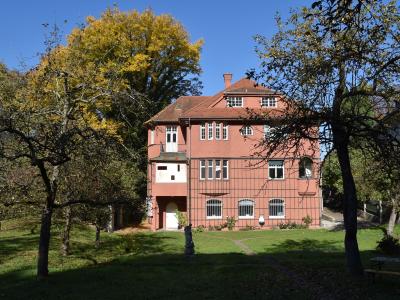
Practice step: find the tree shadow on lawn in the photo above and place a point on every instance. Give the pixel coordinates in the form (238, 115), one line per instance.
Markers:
(207, 276)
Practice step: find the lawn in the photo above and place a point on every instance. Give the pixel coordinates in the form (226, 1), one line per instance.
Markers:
(275, 264)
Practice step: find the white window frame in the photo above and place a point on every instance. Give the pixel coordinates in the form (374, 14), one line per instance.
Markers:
(270, 101)
(202, 165)
(218, 168)
(276, 205)
(252, 208)
(225, 132)
(210, 169)
(152, 136)
(246, 130)
(202, 131)
(210, 131)
(217, 131)
(266, 131)
(301, 161)
(276, 168)
(225, 167)
(214, 203)
(233, 101)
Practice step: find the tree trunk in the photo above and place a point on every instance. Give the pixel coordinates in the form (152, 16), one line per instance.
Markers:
(66, 233)
(97, 242)
(353, 258)
(44, 242)
(392, 219)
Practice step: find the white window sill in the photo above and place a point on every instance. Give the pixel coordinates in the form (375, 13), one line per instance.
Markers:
(276, 217)
(276, 178)
(214, 218)
(246, 218)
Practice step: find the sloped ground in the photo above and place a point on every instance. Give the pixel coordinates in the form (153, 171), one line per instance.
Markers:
(276, 264)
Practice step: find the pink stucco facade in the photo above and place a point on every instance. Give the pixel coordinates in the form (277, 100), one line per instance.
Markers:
(215, 175)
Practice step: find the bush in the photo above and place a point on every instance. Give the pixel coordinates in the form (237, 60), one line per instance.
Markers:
(230, 222)
(200, 228)
(247, 228)
(182, 219)
(291, 225)
(389, 245)
(307, 220)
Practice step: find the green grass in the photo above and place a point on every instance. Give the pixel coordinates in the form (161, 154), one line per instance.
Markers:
(305, 264)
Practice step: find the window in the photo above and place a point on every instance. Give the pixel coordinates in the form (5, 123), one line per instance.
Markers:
(217, 131)
(210, 131)
(305, 167)
(217, 169)
(202, 131)
(234, 101)
(202, 169)
(276, 209)
(179, 167)
(210, 169)
(225, 169)
(246, 209)
(268, 102)
(276, 169)
(214, 209)
(267, 131)
(225, 132)
(246, 130)
(162, 168)
(151, 137)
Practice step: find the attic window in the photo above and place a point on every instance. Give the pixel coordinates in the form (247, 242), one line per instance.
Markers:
(268, 102)
(234, 102)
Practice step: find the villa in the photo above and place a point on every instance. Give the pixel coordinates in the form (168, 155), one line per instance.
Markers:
(201, 162)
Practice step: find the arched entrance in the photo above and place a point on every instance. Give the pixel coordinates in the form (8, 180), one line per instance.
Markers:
(171, 221)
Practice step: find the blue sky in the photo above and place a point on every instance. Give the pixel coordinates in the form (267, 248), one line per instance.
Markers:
(227, 28)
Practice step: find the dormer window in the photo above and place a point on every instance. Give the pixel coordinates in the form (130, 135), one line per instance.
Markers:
(268, 101)
(234, 102)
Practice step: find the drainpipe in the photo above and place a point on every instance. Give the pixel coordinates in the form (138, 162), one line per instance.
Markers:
(189, 206)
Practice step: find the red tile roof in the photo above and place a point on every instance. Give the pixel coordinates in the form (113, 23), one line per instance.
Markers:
(202, 107)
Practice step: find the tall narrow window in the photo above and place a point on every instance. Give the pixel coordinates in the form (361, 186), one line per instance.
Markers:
(217, 131)
(210, 169)
(210, 131)
(152, 137)
(202, 169)
(246, 209)
(305, 167)
(202, 131)
(276, 169)
(225, 131)
(217, 169)
(214, 209)
(267, 132)
(225, 169)
(276, 209)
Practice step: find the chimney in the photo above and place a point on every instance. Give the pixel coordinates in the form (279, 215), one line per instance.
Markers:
(227, 79)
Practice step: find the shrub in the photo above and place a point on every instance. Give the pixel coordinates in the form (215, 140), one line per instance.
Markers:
(200, 228)
(307, 220)
(230, 222)
(247, 228)
(291, 225)
(182, 218)
(389, 245)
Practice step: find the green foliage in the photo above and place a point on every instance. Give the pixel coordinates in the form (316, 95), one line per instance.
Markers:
(389, 245)
(200, 228)
(182, 218)
(292, 225)
(307, 220)
(230, 223)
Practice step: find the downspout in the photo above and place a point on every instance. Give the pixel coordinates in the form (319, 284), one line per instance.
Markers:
(189, 175)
